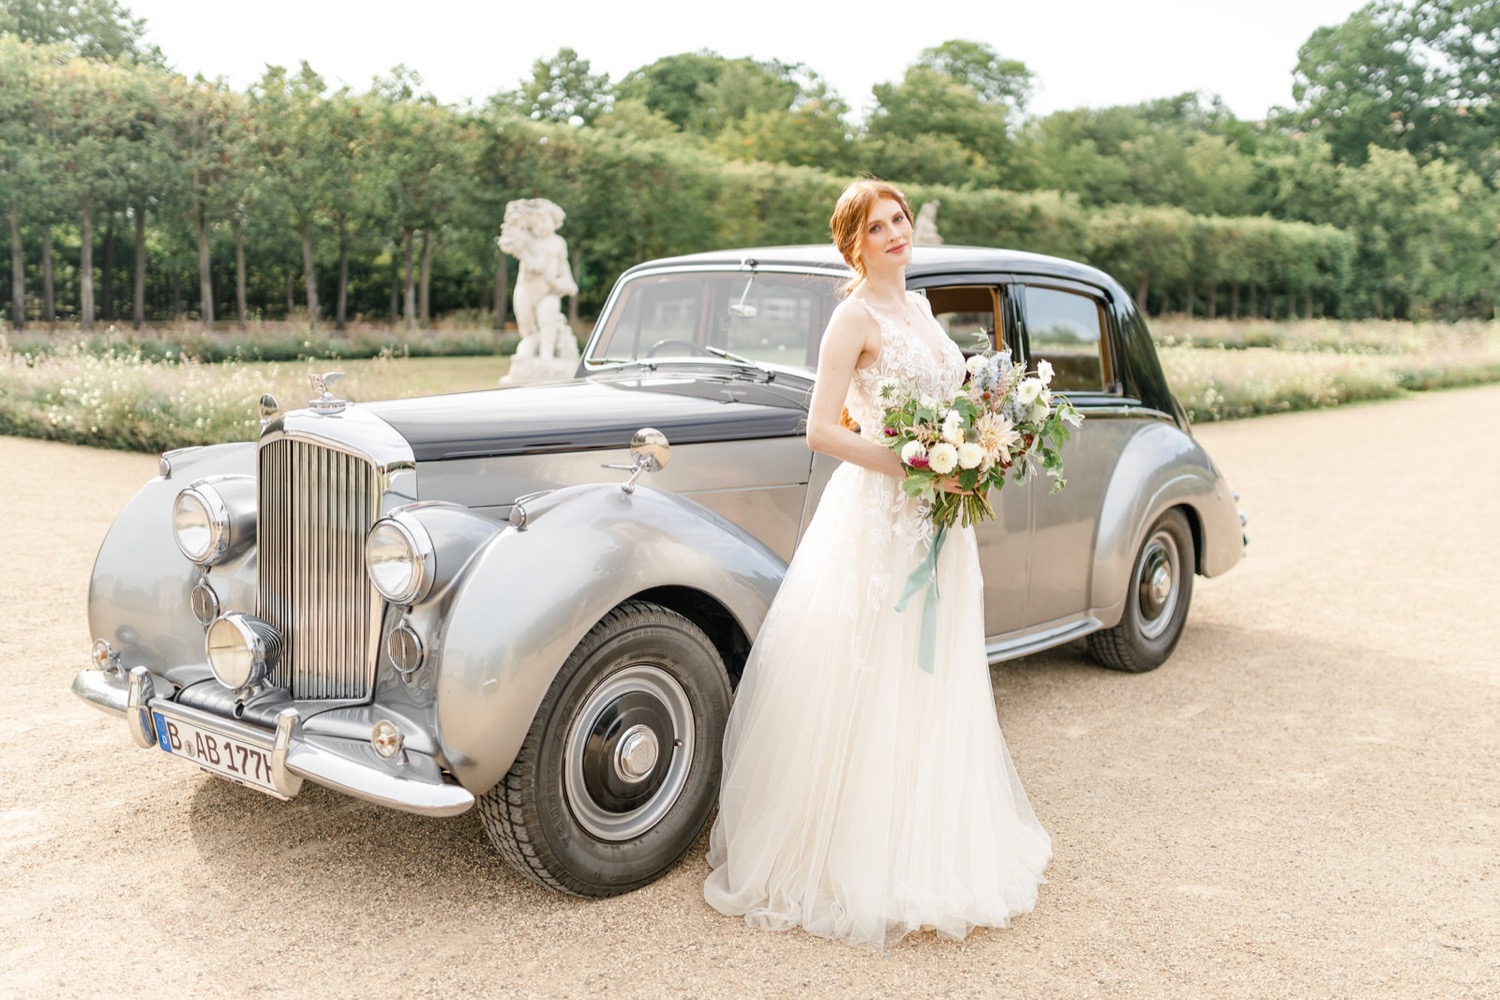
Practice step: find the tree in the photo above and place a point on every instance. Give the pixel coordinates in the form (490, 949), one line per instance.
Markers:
(562, 89)
(979, 67)
(929, 108)
(299, 155)
(94, 29)
(211, 131)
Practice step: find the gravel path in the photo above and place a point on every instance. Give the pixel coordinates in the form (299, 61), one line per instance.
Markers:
(1304, 802)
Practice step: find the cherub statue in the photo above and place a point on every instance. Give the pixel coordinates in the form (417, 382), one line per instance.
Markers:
(529, 234)
(925, 229)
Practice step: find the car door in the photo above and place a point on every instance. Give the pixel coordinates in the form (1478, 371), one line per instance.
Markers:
(965, 307)
(1070, 325)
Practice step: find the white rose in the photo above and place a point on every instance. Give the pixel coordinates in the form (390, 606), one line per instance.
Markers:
(953, 427)
(911, 450)
(1044, 371)
(1028, 391)
(970, 455)
(943, 458)
(975, 363)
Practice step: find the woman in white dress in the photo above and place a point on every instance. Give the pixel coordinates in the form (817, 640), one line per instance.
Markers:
(864, 798)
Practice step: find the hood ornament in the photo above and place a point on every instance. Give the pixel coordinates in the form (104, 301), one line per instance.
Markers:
(326, 401)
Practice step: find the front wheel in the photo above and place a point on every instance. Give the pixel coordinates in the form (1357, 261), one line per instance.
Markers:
(619, 771)
(1156, 606)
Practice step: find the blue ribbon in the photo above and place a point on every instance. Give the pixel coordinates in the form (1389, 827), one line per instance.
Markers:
(924, 577)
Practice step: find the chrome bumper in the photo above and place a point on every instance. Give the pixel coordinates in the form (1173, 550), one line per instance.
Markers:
(411, 782)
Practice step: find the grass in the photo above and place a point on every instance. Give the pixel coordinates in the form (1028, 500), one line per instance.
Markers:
(1226, 371)
(155, 395)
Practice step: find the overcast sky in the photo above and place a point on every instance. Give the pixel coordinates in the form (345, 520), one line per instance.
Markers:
(1085, 53)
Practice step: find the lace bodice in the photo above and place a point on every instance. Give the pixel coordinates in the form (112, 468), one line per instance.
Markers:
(906, 358)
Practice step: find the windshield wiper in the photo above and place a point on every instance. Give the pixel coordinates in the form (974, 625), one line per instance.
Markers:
(720, 352)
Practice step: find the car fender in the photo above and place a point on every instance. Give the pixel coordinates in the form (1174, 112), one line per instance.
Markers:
(531, 595)
(1159, 468)
(138, 591)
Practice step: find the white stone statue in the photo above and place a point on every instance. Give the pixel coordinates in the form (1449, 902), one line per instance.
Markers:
(548, 350)
(925, 232)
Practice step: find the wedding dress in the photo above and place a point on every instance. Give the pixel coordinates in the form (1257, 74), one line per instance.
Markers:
(862, 797)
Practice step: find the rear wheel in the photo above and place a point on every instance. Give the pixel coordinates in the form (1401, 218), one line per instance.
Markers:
(619, 771)
(1156, 606)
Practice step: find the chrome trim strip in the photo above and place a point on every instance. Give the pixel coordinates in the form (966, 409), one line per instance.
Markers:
(1043, 638)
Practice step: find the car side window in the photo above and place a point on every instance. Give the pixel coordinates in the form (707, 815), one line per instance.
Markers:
(1066, 328)
(963, 311)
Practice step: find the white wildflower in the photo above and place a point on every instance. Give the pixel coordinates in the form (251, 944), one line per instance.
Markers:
(953, 427)
(1044, 371)
(1028, 391)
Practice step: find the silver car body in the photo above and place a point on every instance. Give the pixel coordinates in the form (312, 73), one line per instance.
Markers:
(532, 541)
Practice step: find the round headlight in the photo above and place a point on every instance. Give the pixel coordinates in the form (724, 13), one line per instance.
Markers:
(242, 649)
(399, 555)
(200, 524)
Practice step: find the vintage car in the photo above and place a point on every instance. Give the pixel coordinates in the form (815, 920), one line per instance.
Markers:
(440, 602)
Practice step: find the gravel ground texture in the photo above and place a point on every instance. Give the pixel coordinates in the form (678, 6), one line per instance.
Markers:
(1303, 802)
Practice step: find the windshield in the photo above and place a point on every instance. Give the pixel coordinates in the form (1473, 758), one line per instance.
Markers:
(761, 316)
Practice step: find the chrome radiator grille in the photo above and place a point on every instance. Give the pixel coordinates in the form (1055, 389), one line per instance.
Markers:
(316, 503)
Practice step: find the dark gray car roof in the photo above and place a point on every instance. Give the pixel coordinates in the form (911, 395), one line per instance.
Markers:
(925, 260)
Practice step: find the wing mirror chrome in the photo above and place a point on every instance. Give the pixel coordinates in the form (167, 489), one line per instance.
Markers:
(649, 452)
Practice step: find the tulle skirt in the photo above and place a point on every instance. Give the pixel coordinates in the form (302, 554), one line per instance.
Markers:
(864, 798)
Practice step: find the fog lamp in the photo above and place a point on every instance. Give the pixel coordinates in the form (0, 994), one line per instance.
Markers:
(385, 738)
(242, 649)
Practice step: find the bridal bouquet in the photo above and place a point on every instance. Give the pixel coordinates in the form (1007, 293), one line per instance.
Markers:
(1003, 424)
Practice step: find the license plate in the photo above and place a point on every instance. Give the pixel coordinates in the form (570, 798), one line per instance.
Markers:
(217, 753)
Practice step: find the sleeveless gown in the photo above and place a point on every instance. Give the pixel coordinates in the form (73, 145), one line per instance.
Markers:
(862, 798)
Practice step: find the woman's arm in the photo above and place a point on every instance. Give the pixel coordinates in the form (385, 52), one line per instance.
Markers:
(852, 335)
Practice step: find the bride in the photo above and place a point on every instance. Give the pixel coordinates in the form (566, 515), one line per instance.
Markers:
(864, 798)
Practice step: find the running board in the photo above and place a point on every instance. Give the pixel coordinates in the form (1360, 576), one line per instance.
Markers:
(1036, 640)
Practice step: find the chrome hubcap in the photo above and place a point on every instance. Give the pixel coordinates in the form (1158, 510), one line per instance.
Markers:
(1156, 583)
(629, 748)
(636, 753)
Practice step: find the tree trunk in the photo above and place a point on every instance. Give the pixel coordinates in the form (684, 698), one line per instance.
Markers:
(341, 315)
(577, 278)
(49, 287)
(205, 270)
(502, 292)
(1188, 305)
(107, 273)
(138, 291)
(176, 295)
(291, 302)
(1234, 301)
(17, 270)
(1142, 287)
(310, 273)
(1252, 309)
(410, 297)
(86, 263)
(241, 306)
(424, 294)
(394, 313)
(1211, 303)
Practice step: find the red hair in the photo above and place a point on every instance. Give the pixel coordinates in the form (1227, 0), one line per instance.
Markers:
(849, 218)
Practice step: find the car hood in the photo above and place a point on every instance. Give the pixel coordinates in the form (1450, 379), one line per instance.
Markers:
(594, 413)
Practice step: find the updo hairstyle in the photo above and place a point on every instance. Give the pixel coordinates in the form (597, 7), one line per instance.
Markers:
(849, 218)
